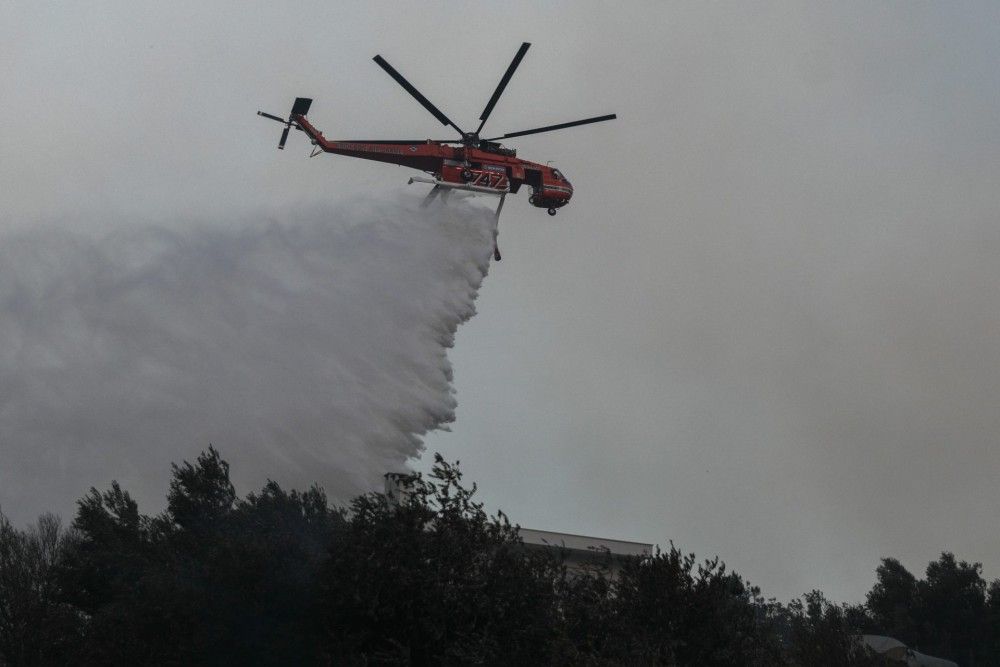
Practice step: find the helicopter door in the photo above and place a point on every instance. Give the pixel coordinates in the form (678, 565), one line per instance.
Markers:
(533, 177)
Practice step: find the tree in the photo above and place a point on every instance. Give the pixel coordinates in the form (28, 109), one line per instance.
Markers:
(36, 627)
(823, 634)
(671, 610)
(892, 602)
(201, 496)
(279, 577)
(951, 613)
(991, 626)
(213, 580)
(590, 624)
(434, 580)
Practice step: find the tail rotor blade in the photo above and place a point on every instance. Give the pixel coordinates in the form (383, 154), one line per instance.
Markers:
(284, 137)
(271, 116)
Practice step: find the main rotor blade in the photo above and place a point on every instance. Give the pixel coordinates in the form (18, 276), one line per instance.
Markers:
(284, 137)
(560, 126)
(503, 84)
(390, 70)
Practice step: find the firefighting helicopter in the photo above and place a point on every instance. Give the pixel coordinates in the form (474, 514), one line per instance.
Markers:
(469, 163)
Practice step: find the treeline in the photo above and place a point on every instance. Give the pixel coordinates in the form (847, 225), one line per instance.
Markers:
(282, 578)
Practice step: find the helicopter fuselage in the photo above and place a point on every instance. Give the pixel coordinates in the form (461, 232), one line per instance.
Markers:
(490, 168)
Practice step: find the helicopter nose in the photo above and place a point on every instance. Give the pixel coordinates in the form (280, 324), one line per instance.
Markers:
(569, 190)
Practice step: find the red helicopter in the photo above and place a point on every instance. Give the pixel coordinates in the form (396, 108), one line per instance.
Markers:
(470, 163)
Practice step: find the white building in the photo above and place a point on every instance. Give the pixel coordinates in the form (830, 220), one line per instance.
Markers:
(579, 551)
(893, 649)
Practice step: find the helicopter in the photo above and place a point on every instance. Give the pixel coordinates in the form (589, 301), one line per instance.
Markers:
(470, 163)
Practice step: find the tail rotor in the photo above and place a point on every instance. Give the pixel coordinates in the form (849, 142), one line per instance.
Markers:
(284, 137)
(299, 108)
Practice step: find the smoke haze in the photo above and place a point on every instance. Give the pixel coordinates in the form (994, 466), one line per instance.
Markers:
(766, 328)
(312, 347)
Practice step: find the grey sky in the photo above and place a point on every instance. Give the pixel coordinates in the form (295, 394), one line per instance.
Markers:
(766, 327)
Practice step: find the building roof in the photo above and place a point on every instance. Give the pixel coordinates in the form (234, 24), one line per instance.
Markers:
(584, 543)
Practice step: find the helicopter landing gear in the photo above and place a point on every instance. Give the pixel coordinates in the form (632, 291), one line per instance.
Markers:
(467, 175)
(552, 211)
(496, 229)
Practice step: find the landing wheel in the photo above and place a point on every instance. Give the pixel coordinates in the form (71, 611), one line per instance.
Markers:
(466, 175)
(552, 211)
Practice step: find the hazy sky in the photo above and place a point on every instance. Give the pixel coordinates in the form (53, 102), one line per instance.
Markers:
(768, 325)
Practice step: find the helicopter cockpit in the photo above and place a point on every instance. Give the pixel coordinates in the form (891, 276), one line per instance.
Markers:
(559, 176)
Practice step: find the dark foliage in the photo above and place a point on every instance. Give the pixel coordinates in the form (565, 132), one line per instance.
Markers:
(214, 580)
(952, 613)
(666, 609)
(822, 634)
(281, 578)
(36, 626)
(433, 580)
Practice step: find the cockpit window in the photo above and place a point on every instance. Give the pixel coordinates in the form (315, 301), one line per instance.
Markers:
(558, 175)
